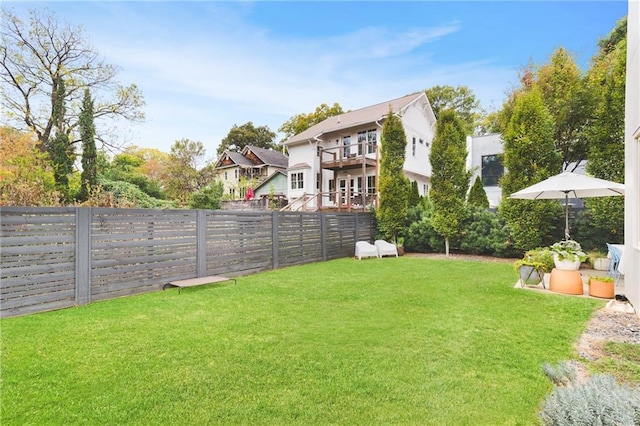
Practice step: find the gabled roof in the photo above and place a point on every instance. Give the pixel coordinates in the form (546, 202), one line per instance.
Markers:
(270, 178)
(235, 159)
(361, 116)
(268, 156)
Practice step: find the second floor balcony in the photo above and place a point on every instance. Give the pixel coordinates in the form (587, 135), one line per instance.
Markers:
(349, 156)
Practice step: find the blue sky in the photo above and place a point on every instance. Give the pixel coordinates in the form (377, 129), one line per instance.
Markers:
(204, 66)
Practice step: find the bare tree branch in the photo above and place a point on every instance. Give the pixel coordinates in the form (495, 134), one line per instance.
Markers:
(34, 55)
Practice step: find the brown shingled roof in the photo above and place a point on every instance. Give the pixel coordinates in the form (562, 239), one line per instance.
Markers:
(366, 115)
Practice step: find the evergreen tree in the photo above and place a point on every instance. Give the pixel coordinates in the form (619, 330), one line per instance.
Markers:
(89, 176)
(60, 150)
(529, 157)
(394, 186)
(414, 195)
(449, 178)
(477, 195)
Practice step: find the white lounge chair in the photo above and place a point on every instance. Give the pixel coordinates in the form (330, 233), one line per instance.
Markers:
(386, 249)
(365, 249)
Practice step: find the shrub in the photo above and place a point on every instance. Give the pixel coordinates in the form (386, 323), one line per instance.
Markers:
(597, 401)
(483, 233)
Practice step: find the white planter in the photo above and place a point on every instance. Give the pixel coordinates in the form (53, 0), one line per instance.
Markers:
(567, 265)
(601, 264)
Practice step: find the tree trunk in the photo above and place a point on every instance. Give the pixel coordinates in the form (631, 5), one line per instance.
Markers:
(446, 246)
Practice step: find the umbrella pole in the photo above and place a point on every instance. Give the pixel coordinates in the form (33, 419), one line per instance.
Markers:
(566, 216)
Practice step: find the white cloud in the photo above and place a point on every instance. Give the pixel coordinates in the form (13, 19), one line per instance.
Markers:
(202, 85)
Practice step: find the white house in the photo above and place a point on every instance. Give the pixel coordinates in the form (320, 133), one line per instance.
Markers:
(631, 253)
(335, 163)
(251, 167)
(484, 161)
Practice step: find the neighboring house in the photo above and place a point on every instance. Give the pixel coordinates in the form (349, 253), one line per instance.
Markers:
(335, 163)
(632, 159)
(483, 160)
(251, 167)
(275, 185)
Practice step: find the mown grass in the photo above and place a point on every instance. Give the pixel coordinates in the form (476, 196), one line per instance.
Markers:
(621, 360)
(377, 341)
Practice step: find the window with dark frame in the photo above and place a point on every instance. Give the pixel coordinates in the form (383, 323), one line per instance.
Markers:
(371, 185)
(492, 170)
(372, 141)
(413, 147)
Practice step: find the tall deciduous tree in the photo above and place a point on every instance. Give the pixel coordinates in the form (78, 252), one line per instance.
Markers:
(34, 57)
(187, 170)
(394, 186)
(529, 157)
(26, 175)
(301, 122)
(89, 176)
(449, 177)
(247, 134)
(565, 95)
(606, 132)
(460, 99)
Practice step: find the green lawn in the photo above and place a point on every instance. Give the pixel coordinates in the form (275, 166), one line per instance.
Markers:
(378, 341)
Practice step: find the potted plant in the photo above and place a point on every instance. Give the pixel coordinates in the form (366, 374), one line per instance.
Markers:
(598, 260)
(568, 255)
(601, 286)
(532, 267)
(400, 245)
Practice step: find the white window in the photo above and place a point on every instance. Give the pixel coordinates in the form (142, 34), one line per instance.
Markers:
(225, 175)
(297, 180)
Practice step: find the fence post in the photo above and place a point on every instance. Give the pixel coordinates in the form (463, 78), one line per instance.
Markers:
(201, 243)
(83, 255)
(323, 235)
(275, 239)
(355, 232)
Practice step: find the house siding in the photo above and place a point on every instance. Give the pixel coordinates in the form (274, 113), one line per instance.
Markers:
(632, 159)
(418, 122)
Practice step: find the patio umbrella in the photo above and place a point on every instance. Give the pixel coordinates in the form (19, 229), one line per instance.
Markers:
(569, 185)
(249, 194)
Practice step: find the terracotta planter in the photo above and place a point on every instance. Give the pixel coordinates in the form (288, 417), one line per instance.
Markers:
(400, 250)
(603, 289)
(566, 281)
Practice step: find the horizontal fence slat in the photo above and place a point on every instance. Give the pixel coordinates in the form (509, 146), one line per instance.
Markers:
(133, 251)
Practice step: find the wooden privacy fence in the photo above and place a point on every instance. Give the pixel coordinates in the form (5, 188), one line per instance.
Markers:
(55, 258)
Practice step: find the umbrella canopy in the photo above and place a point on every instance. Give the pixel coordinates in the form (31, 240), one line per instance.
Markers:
(249, 194)
(569, 185)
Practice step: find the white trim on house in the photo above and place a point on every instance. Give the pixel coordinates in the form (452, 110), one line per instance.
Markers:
(342, 152)
(632, 159)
